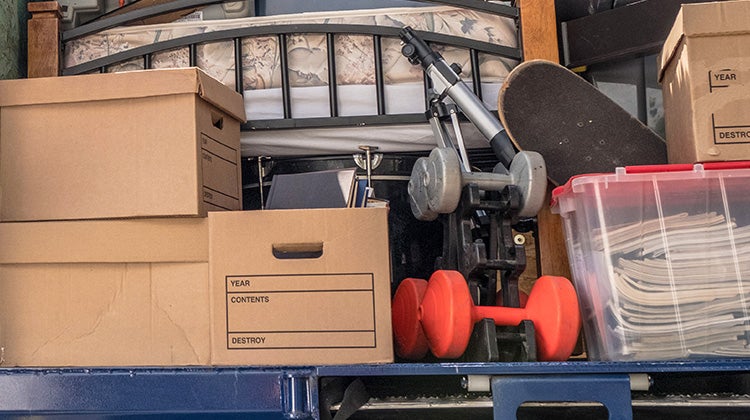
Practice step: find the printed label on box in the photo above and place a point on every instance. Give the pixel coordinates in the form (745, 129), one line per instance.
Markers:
(328, 308)
(219, 171)
(730, 134)
(217, 200)
(722, 78)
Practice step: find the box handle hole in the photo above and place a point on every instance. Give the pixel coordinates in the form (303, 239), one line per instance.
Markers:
(217, 121)
(297, 251)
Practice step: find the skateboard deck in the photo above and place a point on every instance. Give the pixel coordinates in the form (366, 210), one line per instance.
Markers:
(547, 108)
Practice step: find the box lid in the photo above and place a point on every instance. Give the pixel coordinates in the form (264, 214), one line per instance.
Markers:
(704, 19)
(640, 173)
(105, 241)
(133, 84)
(311, 240)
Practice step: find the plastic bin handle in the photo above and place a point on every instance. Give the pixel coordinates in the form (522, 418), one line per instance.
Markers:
(677, 167)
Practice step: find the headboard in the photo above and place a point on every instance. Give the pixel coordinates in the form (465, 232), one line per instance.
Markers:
(537, 23)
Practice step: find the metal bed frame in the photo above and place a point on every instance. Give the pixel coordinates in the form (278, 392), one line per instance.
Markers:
(236, 36)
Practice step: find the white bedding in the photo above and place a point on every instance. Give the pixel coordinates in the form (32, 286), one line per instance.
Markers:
(338, 141)
(355, 100)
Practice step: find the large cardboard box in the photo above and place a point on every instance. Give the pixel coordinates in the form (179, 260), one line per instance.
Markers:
(105, 293)
(705, 77)
(300, 286)
(135, 144)
(282, 287)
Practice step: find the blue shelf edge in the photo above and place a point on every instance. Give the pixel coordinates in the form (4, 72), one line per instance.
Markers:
(262, 392)
(542, 368)
(272, 392)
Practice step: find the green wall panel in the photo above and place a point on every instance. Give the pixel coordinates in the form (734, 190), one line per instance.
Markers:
(12, 39)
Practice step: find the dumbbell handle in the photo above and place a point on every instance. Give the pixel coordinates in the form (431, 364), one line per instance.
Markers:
(487, 181)
(501, 315)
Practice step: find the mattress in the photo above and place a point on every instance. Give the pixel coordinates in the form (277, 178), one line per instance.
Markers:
(308, 72)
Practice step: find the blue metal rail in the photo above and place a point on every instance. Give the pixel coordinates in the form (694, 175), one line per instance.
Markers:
(293, 392)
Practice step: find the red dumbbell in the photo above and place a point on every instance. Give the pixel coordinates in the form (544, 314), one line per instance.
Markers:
(440, 315)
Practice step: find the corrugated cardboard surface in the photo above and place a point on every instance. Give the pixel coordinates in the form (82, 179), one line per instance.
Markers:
(116, 145)
(705, 76)
(302, 287)
(128, 314)
(155, 292)
(105, 241)
(105, 293)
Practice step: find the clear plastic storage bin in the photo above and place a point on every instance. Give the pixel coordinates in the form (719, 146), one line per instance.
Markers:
(661, 260)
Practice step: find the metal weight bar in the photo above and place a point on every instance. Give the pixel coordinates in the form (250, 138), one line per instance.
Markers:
(446, 81)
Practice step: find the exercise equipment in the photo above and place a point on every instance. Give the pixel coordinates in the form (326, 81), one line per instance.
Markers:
(478, 210)
(411, 342)
(446, 82)
(436, 182)
(439, 315)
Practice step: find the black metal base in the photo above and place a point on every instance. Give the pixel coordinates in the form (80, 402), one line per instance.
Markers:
(491, 343)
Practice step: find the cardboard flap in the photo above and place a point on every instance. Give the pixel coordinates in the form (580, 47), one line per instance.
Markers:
(133, 84)
(704, 19)
(670, 46)
(105, 241)
(716, 18)
(217, 94)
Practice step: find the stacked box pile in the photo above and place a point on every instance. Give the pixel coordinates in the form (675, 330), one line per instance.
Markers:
(123, 243)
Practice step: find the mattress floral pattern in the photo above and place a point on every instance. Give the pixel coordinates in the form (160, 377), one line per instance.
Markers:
(307, 53)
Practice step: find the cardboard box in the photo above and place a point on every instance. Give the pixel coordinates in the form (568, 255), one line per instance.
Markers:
(705, 77)
(227, 290)
(105, 293)
(136, 144)
(302, 287)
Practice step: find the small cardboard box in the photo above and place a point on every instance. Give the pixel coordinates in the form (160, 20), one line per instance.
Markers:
(302, 287)
(136, 144)
(105, 293)
(705, 77)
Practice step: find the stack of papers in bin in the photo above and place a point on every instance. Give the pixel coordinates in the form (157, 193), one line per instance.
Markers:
(680, 286)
